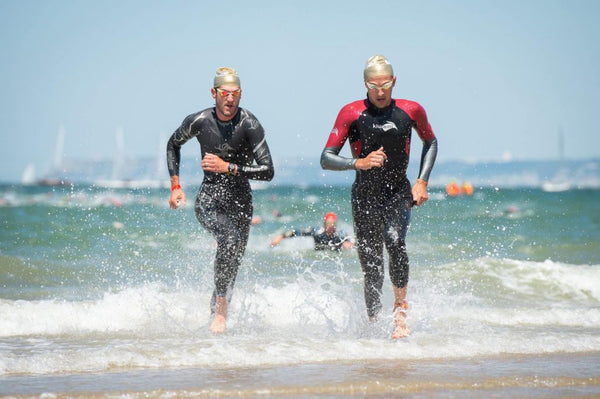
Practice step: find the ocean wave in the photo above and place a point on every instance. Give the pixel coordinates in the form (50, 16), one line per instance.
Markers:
(314, 317)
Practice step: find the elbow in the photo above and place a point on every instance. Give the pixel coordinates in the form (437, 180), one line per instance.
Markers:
(325, 159)
(322, 161)
(270, 174)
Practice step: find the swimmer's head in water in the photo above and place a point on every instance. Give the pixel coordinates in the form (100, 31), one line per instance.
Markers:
(330, 216)
(226, 77)
(329, 222)
(377, 65)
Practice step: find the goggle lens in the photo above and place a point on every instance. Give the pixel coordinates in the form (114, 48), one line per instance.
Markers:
(225, 93)
(385, 86)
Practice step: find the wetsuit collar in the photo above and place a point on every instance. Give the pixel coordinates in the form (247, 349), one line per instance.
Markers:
(234, 120)
(372, 108)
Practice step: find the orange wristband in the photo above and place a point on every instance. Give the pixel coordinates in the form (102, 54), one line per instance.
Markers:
(175, 187)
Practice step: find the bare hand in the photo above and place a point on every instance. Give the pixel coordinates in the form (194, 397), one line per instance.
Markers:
(375, 159)
(213, 163)
(419, 192)
(277, 240)
(177, 198)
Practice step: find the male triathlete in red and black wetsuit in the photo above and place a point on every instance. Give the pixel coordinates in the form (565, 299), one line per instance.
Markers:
(231, 140)
(379, 131)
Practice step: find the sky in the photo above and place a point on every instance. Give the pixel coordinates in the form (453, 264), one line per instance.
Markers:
(498, 79)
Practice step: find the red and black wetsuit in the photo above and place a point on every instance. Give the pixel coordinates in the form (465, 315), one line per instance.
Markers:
(381, 197)
(224, 202)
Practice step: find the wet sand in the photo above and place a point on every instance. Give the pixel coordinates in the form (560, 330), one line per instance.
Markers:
(531, 376)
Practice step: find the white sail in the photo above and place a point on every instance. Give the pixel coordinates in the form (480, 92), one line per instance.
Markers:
(560, 181)
(28, 177)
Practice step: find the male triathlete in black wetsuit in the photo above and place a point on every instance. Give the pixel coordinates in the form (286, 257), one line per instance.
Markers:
(231, 140)
(379, 130)
(326, 238)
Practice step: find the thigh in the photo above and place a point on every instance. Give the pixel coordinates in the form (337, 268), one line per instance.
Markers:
(397, 216)
(368, 228)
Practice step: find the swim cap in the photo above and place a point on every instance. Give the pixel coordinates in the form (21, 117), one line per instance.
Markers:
(330, 215)
(226, 76)
(377, 65)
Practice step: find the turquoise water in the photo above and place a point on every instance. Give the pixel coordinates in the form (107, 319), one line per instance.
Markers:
(95, 280)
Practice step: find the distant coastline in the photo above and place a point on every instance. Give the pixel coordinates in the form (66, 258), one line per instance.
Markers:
(584, 173)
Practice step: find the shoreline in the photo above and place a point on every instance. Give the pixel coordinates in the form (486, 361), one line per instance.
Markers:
(557, 375)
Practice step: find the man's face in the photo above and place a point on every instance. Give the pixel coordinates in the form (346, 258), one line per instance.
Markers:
(379, 90)
(329, 226)
(227, 100)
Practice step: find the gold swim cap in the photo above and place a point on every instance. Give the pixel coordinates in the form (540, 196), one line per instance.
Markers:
(226, 76)
(377, 65)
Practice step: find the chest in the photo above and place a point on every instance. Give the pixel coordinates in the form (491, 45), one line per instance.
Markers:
(222, 138)
(391, 130)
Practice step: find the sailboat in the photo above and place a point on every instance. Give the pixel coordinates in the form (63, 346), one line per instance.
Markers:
(53, 177)
(560, 182)
(117, 181)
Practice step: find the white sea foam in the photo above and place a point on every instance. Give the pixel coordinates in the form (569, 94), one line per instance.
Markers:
(311, 318)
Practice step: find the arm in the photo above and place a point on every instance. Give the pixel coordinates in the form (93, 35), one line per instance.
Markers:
(330, 158)
(346, 241)
(263, 169)
(177, 139)
(428, 155)
(292, 233)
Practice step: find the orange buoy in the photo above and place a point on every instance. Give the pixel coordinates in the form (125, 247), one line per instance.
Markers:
(467, 189)
(452, 189)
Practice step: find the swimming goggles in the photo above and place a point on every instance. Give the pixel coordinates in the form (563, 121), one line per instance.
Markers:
(385, 86)
(225, 93)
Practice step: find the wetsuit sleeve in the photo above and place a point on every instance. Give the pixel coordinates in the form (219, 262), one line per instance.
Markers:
(263, 170)
(428, 156)
(178, 139)
(299, 233)
(330, 158)
(425, 132)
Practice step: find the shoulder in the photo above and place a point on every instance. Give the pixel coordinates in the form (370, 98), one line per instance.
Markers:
(417, 113)
(354, 108)
(246, 114)
(412, 108)
(248, 119)
(199, 116)
(350, 113)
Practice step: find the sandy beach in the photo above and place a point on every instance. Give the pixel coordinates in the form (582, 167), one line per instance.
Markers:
(539, 376)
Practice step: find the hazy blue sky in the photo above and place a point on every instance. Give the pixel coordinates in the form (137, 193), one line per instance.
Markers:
(496, 77)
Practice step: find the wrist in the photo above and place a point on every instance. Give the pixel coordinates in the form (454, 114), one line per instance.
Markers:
(421, 181)
(232, 169)
(175, 187)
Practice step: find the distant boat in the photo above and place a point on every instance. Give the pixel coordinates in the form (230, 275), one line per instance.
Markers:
(117, 181)
(560, 182)
(555, 186)
(52, 178)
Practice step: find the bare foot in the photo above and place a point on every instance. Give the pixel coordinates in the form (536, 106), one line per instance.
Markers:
(400, 328)
(218, 324)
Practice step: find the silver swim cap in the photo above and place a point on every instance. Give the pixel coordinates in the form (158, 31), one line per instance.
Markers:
(226, 76)
(377, 65)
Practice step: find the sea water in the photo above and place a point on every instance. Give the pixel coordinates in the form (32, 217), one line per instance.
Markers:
(96, 281)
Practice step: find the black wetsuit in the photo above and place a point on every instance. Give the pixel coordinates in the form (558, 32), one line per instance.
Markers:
(381, 197)
(323, 241)
(224, 201)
